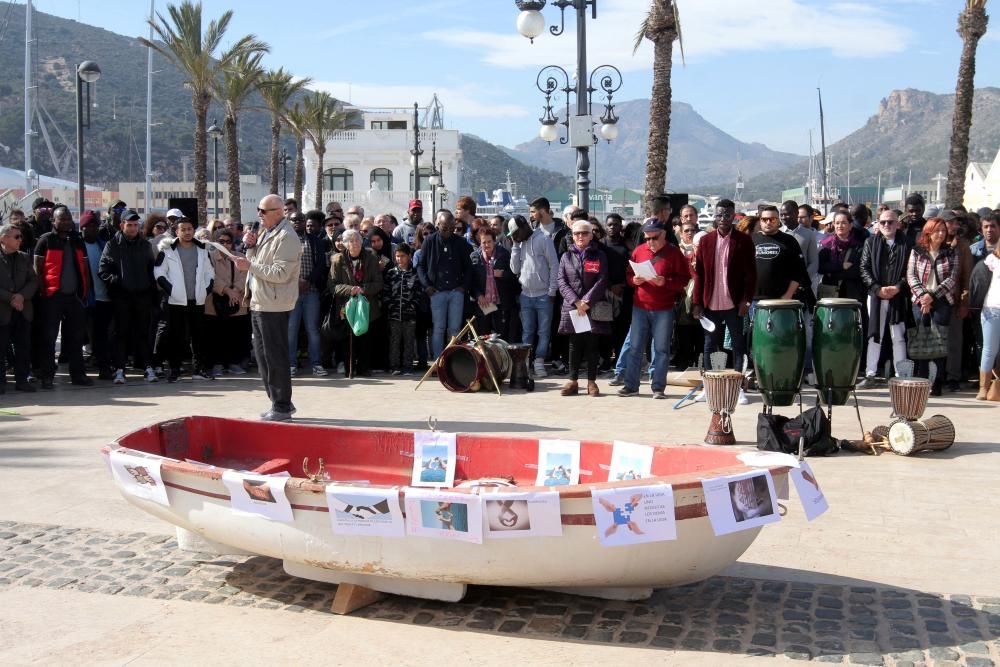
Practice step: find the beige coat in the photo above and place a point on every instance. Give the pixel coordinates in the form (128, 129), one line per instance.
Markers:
(274, 269)
(224, 269)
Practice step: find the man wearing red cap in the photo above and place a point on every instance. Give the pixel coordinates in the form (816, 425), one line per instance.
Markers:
(408, 229)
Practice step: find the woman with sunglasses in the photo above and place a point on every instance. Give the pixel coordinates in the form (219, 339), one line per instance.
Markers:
(227, 318)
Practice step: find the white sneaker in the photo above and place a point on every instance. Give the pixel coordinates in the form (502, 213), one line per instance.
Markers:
(743, 400)
(540, 368)
(320, 371)
(236, 369)
(151, 375)
(119, 376)
(340, 368)
(700, 398)
(293, 370)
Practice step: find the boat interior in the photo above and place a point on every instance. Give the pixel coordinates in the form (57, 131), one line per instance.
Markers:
(384, 456)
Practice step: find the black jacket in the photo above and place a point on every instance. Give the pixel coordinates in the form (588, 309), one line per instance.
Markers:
(126, 266)
(507, 286)
(882, 266)
(402, 294)
(321, 269)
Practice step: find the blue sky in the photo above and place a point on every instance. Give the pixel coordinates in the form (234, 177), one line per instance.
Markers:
(751, 69)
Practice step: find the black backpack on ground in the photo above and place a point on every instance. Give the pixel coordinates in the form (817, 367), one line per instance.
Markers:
(777, 433)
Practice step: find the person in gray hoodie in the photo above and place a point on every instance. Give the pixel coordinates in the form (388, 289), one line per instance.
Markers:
(533, 259)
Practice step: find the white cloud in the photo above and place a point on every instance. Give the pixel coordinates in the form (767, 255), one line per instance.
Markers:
(709, 29)
(468, 102)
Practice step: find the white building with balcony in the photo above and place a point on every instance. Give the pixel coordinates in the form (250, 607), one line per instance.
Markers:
(371, 166)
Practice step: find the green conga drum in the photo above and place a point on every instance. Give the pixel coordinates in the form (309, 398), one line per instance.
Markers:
(837, 345)
(779, 349)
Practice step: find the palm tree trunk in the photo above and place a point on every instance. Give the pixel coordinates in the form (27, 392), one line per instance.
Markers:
(971, 26)
(233, 168)
(320, 152)
(199, 104)
(275, 140)
(300, 167)
(659, 118)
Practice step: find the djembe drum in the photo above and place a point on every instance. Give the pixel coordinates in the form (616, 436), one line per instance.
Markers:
(779, 349)
(837, 342)
(909, 397)
(520, 375)
(722, 389)
(935, 433)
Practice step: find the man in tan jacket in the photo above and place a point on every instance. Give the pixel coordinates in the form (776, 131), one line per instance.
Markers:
(272, 264)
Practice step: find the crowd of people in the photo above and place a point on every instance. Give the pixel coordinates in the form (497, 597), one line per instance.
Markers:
(157, 297)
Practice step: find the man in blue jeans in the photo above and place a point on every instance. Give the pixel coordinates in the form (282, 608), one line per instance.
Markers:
(653, 306)
(533, 258)
(312, 282)
(445, 268)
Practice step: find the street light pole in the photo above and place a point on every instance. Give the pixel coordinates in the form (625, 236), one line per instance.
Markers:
(215, 132)
(435, 177)
(284, 174)
(86, 73)
(415, 153)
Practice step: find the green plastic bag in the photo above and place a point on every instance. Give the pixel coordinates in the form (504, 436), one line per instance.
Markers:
(357, 314)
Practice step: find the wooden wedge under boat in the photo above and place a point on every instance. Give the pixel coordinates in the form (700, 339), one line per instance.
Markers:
(198, 450)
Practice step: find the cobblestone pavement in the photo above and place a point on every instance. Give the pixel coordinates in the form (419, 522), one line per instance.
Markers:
(726, 615)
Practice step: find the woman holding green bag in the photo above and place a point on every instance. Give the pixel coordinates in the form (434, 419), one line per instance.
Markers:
(931, 275)
(355, 273)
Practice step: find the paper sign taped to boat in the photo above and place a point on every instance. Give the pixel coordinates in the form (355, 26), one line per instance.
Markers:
(312, 545)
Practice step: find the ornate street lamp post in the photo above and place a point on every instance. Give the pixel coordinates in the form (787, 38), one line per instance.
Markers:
(215, 132)
(285, 159)
(435, 177)
(415, 154)
(87, 73)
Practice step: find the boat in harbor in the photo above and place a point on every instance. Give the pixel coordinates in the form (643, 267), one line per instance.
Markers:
(196, 459)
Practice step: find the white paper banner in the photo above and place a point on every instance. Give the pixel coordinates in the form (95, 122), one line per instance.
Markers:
(813, 501)
(512, 514)
(635, 514)
(558, 462)
(258, 495)
(433, 459)
(740, 502)
(365, 511)
(139, 476)
(444, 515)
(762, 459)
(630, 461)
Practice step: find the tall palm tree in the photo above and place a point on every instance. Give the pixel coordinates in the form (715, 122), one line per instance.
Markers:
(190, 47)
(296, 120)
(971, 27)
(662, 26)
(324, 117)
(277, 88)
(232, 88)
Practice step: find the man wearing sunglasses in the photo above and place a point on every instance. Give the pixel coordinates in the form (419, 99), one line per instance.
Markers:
(18, 283)
(883, 271)
(273, 264)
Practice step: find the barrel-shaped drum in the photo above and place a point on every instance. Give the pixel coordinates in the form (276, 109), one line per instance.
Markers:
(837, 344)
(909, 396)
(779, 349)
(463, 366)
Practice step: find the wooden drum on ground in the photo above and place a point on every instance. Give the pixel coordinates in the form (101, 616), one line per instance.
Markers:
(909, 396)
(940, 433)
(463, 367)
(907, 437)
(722, 390)
(779, 349)
(520, 370)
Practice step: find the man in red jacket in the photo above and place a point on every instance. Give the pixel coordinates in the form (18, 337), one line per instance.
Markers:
(724, 282)
(653, 306)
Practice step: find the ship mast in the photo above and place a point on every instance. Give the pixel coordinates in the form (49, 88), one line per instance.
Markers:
(29, 107)
(822, 139)
(149, 115)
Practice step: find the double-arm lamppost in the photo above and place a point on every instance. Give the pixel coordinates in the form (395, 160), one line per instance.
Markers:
(579, 127)
(415, 154)
(215, 132)
(87, 73)
(435, 176)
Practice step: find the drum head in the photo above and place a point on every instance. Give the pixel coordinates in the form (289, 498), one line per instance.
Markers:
(902, 438)
(723, 374)
(775, 304)
(832, 302)
(909, 382)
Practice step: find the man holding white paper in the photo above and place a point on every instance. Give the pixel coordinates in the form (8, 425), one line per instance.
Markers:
(653, 306)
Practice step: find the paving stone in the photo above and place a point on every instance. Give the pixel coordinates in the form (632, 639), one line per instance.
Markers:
(943, 653)
(727, 645)
(866, 659)
(976, 661)
(576, 631)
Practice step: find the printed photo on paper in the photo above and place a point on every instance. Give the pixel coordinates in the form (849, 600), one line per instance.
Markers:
(558, 462)
(630, 461)
(433, 459)
(813, 501)
(258, 495)
(635, 515)
(444, 515)
(514, 514)
(741, 502)
(139, 476)
(365, 511)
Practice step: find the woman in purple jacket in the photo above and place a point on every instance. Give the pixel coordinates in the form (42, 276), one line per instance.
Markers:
(583, 283)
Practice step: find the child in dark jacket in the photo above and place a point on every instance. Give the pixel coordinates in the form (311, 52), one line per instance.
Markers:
(402, 296)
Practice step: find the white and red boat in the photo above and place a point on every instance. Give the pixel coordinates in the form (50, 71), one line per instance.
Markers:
(197, 451)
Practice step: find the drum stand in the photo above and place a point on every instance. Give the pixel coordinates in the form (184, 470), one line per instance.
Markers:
(477, 341)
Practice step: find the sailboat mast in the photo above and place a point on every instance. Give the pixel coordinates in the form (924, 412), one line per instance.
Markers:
(822, 139)
(29, 107)
(149, 115)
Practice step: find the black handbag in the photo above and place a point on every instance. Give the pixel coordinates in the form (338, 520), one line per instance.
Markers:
(334, 328)
(223, 307)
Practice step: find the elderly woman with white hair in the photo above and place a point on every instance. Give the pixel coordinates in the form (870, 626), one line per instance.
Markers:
(583, 284)
(356, 271)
